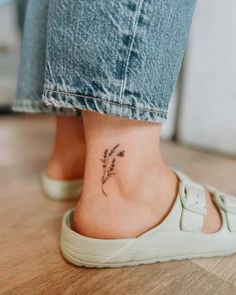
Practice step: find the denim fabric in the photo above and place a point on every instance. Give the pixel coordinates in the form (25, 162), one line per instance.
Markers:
(31, 72)
(21, 6)
(114, 57)
(32, 63)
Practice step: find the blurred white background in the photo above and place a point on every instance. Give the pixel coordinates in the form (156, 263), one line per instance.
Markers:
(206, 113)
(9, 52)
(203, 108)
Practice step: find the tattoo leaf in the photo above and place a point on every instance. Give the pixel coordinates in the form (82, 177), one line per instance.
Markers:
(109, 164)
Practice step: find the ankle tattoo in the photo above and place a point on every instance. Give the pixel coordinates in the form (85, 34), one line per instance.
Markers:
(109, 164)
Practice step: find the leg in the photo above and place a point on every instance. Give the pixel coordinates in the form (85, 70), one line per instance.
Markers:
(122, 58)
(67, 160)
(68, 156)
(142, 190)
(124, 65)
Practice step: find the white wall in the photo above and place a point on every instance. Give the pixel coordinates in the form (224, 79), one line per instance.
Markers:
(208, 101)
(8, 32)
(9, 44)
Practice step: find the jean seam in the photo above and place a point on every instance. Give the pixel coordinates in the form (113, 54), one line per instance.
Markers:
(105, 100)
(32, 106)
(134, 30)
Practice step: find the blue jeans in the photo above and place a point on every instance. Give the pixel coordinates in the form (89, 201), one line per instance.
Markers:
(21, 10)
(114, 57)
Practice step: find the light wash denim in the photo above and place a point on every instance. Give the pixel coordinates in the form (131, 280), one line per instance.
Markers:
(21, 9)
(114, 57)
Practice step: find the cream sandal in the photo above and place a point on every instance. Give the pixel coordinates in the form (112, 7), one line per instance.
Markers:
(61, 190)
(179, 236)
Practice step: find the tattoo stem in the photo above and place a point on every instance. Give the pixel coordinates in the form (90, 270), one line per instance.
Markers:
(109, 172)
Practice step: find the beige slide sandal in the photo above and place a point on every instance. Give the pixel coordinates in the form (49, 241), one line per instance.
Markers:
(179, 236)
(61, 190)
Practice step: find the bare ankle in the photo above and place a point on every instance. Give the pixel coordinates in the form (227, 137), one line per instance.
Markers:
(123, 216)
(127, 187)
(68, 157)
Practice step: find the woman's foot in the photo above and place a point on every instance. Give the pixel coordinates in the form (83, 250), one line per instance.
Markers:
(128, 188)
(179, 237)
(67, 161)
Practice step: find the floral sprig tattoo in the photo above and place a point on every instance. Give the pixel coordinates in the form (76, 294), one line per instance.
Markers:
(109, 164)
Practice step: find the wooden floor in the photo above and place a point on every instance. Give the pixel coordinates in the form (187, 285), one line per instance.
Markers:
(30, 260)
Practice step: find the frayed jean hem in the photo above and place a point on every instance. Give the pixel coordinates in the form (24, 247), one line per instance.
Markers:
(75, 102)
(38, 107)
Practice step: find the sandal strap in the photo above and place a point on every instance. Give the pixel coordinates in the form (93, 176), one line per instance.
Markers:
(194, 208)
(227, 203)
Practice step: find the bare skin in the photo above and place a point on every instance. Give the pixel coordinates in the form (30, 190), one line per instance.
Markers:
(128, 188)
(67, 161)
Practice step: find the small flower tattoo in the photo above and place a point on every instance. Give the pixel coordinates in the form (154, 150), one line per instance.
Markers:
(109, 164)
(121, 154)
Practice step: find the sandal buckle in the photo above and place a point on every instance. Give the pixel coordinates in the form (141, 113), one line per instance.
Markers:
(193, 198)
